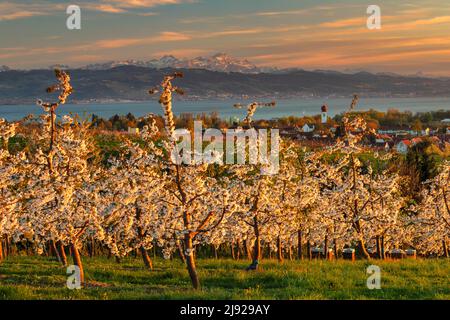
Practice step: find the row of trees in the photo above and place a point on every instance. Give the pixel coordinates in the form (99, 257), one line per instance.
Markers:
(393, 118)
(390, 119)
(59, 192)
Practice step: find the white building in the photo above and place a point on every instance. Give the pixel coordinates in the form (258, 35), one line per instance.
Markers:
(324, 114)
(402, 146)
(307, 128)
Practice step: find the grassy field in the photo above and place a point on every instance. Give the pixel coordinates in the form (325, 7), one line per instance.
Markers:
(43, 278)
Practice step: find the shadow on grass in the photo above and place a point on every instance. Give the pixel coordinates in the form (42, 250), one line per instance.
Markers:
(43, 278)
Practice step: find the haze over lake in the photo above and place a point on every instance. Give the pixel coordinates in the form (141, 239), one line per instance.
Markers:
(294, 107)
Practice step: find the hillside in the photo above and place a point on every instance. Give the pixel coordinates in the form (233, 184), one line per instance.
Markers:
(132, 83)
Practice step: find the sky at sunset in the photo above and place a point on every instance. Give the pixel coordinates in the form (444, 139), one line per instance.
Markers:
(309, 34)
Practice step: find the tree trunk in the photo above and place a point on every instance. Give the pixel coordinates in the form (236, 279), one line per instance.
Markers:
(48, 249)
(238, 253)
(190, 261)
(247, 250)
(77, 261)
(89, 249)
(325, 248)
(233, 254)
(280, 249)
(261, 249)
(147, 261)
(257, 245)
(62, 253)
(383, 251)
(180, 251)
(56, 252)
(256, 256)
(308, 248)
(335, 249)
(1, 251)
(290, 253)
(362, 249)
(299, 245)
(8, 249)
(444, 245)
(379, 253)
(4, 248)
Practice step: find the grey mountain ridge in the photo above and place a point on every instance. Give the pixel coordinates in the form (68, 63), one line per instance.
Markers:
(221, 62)
(132, 83)
(218, 62)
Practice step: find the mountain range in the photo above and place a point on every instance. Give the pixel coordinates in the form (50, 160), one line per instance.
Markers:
(131, 83)
(219, 76)
(221, 62)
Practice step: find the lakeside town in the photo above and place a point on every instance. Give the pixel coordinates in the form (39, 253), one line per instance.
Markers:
(388, 136)
(393, 130)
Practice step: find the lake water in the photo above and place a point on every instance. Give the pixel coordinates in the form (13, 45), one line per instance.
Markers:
(294, 107)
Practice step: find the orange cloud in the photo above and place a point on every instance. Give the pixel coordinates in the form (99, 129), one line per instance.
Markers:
(125, 42)
(20, 15)
(144, 3)
(235, 32)
(344, 23)
(281, 13)
(85, 48)
(312, 58)
(431, 21)
(183, 53)
(12, 11)
(106, 8)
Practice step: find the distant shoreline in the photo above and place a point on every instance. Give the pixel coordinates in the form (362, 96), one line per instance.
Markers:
(224, 107)
(227, 99)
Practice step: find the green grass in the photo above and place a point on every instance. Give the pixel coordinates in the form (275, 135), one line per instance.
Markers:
(42, 278)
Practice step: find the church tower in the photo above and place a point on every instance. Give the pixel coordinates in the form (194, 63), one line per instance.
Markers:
(324, 113)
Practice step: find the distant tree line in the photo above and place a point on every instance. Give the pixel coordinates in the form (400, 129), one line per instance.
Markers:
(392, 118)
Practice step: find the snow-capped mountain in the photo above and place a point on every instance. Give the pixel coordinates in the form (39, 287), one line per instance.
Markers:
(4, 68)
(222, 62)
(164, 62)
(58, 66)
(218, 62)
(113, 64)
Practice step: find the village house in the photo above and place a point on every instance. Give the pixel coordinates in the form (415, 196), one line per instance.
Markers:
(307, 128)
(382, 139)
(402, 146)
